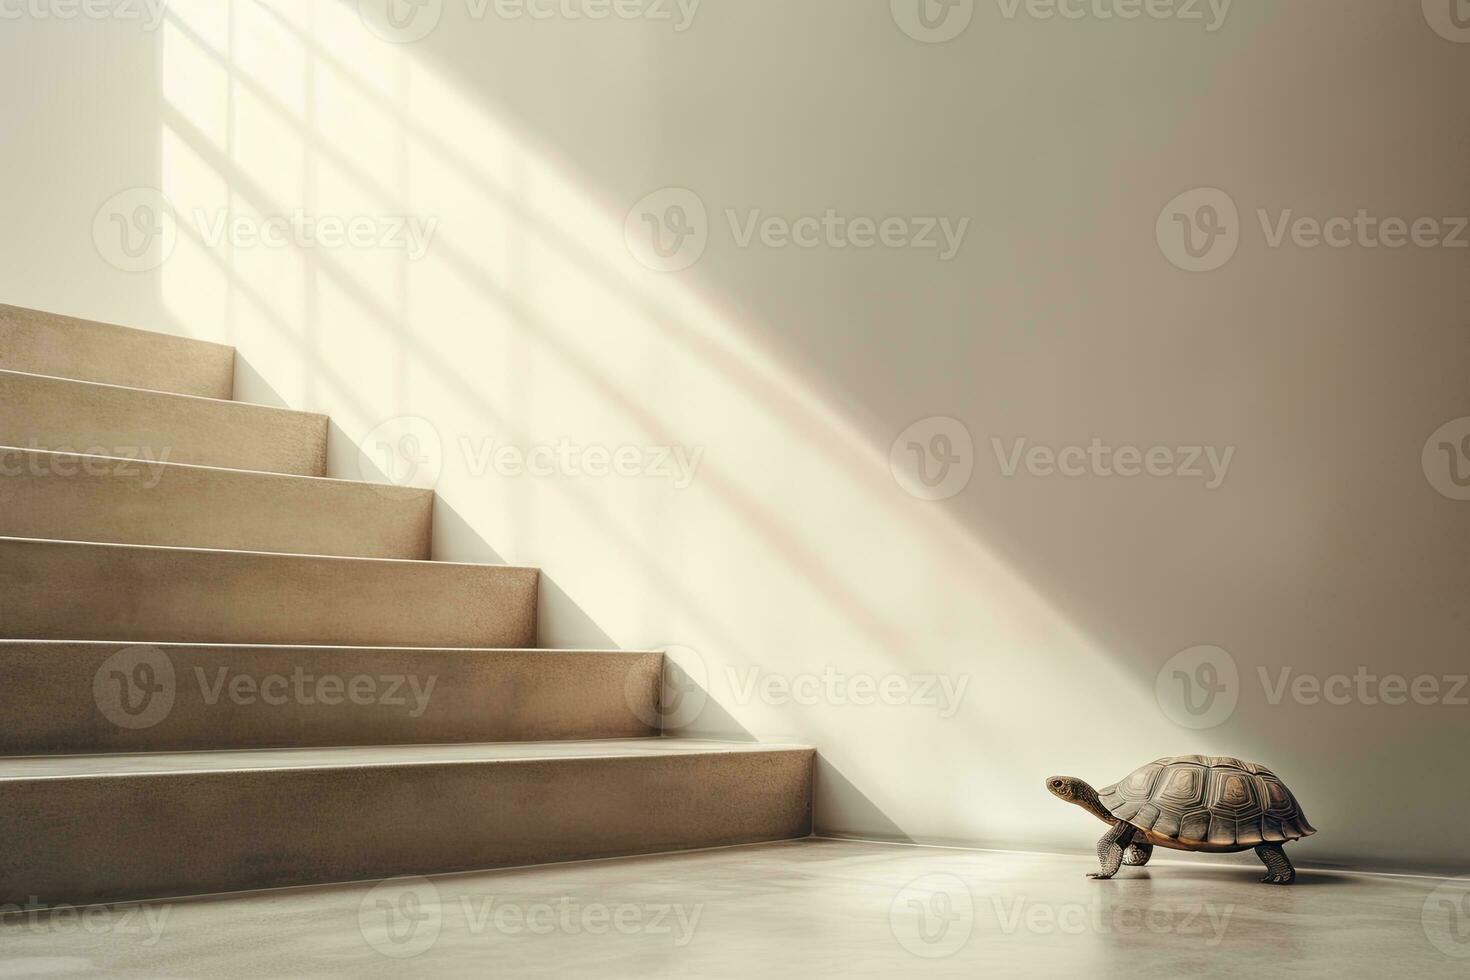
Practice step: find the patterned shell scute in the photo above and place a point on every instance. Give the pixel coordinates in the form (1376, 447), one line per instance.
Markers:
(1208, 800)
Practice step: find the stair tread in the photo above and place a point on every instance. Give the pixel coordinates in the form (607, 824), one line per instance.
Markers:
(266, 554)
(376, 756)
(49, 412)
(326, 647)
(10, 310)
(91, 496)
(157, 393)
(81, 590)
(231, 470)
(61, 345)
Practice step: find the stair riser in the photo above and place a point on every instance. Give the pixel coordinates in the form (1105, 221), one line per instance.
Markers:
(92, 498)
(63, 698)
(98, 420)
(151, 836)
(66, 347)
(61, 591)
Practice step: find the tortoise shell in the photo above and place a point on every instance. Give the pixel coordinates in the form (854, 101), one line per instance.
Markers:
(1207, 803)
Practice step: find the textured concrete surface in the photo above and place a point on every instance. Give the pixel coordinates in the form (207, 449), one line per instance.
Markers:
(68, 347)
(52, 590)
(93, 498)
(64, 697)
(99, 828)
(809, 908)
(77, 416)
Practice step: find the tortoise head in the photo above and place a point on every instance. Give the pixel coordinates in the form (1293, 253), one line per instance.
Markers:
(1079, 793)
(1068, 788)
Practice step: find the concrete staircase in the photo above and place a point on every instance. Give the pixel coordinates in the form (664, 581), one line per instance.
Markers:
(220, 670)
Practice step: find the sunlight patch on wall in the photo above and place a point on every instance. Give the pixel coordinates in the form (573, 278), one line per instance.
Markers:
(527, 323)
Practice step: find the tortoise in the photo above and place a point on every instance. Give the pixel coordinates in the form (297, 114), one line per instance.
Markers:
(1204, 803)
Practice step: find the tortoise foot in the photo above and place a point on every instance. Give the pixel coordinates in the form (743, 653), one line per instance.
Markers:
(1099, 877)
(1278, 879)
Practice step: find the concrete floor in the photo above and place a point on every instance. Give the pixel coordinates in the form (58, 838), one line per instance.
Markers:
(798, 909)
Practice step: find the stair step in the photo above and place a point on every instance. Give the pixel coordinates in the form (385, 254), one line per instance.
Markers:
(78, 497)
(110, 828)
(60, 590)
(85, 350)
(68, 697)
(38, 412)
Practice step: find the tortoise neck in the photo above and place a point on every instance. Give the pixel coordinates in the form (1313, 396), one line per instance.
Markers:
(1087, 800)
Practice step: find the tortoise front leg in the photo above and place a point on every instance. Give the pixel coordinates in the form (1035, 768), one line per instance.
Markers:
(1278, 866)
(1138, 854)
(1110, 849)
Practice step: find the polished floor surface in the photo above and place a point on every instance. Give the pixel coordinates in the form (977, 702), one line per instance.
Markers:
(797, 909)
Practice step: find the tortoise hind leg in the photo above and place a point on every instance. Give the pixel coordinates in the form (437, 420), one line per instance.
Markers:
(1278, 866)
(1138, 854)
(1110, 849)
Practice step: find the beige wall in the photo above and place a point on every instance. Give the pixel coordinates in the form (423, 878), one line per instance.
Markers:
(1053, 604)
